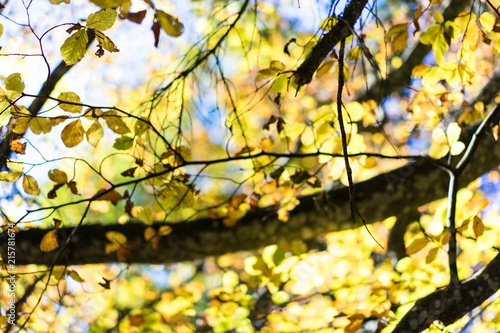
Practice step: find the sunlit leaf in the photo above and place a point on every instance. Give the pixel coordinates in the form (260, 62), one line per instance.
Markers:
(438, 16)
(115, 122)
(72, 98)
(146, 215)
(105, 42)
(57, 2)
(49, 241)
(15, 165)
(169, 24)
(30, 186)
(14, 85)
(487, 21)
(17, 147)
(123, 143)
(73, 133)
(431, 255)
(74, 47)
(416, 245)
(396, 30)
(95, 133)
(39, 125)
(58, 176)
(477, 226)
(75, 276)
(429, 35)
(102, 20)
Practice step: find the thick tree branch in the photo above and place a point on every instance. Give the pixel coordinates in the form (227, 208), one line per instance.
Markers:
(400, 191)
(342, 30)
(453, 302)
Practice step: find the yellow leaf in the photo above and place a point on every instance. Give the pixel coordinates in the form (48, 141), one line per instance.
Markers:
(72, 98)
(277, 65)
(438, 16)
(457, 148)
(487, 21)
(58, 176)
(57, 2)
(73, 133)
(471, 39)
(280, 84)
(40, 125)
(49, 242)
(419, 70)
(354, 53)
(399, 42)
(14, 85)
(15, 165)
(102, 20)
(428, 36)
(169, 24)
(440, 46)
(149, 234)
(30, 186)
(146, 215)
(477, 226)
(115, 122)
(356, 111)
(164, 230)
(416, 245)
(95, 133)
(453, 132)
(105, 42)
(325, 68)
(431, 255)
(59, 272)
(116, 238)
(74, 47)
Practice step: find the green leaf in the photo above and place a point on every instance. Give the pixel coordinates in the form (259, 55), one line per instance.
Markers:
(72, 134)
(102, 20)
(428, 36)
(14, 85)
(74, 47)
(72, 98)
(95, 133)
(115, 122)
(105, 42)
(123, 143)
(169, 24)
(4, 113)
(452, 29)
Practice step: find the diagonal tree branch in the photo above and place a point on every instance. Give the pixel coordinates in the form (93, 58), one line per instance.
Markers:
(342, 30)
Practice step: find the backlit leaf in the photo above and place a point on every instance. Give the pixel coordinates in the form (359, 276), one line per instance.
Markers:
(39, 125)
(73, 133)
(74, 47)
(123, 143)
(14, 85)
(428, 36)
(431, 255)
(115, 122)
(487, 21)
(169, 24)
(146, 215)
(102, 20)
(58, 176)
(72, 98)
(15, 165)
(49, 241)
(75, 276)
(416, 245)
(396, 30)
(105, 42)
(440, 46)
(30, 186)
(94, 133)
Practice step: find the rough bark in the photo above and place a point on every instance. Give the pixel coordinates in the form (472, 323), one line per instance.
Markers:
(397, 192)
(453, 302)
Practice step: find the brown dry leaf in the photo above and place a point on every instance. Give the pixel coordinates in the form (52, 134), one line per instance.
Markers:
(49, 241)
(108, 195)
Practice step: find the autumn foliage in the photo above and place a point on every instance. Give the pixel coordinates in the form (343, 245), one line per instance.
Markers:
(238, 166)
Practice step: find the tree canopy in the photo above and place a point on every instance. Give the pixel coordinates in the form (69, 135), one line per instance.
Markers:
(242, 166)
